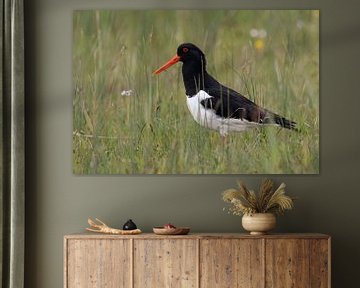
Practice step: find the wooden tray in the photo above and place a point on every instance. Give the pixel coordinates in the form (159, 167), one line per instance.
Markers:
(171, 231)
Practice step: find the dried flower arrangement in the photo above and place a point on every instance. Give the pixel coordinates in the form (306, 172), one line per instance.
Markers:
(268, 200)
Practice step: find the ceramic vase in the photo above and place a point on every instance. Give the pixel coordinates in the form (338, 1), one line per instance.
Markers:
(259, 223)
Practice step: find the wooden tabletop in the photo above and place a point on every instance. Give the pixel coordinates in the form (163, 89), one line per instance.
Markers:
(89, 235)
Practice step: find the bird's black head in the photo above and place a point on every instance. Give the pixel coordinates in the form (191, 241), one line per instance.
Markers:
(190, 55)
(193, 69)
(189, 52)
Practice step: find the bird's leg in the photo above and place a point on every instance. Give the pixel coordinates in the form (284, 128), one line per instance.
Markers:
(223, 134)
(224, 140)
(223, 130)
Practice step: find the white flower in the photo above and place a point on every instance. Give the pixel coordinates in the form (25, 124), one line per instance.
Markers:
(262, 33)
(299, 24)
(258, 33)
(127, 93)
(254, 33)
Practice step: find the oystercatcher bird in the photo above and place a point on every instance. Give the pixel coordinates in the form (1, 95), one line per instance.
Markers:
(214, 105)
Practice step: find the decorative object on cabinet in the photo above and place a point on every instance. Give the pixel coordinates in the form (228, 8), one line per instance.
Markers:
(129, 225)
(197, 260)
(258, 209)
(258, 223)
(101, 227)
(171, 231)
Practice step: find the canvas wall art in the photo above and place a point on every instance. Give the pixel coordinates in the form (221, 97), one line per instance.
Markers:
(195, 92)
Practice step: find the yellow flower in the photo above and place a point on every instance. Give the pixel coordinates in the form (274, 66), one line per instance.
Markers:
(259, 45)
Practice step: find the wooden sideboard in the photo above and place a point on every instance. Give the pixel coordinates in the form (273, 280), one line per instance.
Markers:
(197, 260)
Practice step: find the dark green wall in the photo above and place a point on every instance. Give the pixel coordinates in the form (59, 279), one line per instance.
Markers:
(59, 203)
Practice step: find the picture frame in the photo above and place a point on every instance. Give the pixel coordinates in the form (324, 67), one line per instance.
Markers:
(261, 115)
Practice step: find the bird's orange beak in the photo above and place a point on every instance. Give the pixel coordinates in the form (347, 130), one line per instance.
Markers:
(171, 62)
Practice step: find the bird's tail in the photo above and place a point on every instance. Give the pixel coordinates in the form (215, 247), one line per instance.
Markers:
(272, 118)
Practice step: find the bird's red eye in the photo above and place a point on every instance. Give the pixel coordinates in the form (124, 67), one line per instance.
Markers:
(185, 49)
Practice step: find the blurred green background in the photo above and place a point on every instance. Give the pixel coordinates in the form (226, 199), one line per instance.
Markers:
(128, 121)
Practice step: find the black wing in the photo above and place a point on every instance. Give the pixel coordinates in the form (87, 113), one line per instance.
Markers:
(228, 103)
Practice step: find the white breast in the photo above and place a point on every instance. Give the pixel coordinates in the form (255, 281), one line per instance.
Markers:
(208, 118)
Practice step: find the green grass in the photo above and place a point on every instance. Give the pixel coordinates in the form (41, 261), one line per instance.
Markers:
(152, 131)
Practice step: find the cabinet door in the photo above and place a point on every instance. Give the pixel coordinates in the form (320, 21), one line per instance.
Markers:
(230, 263)
(98, 263)
(166, 263)
(297, 263)
(287, 263)
(320, 263)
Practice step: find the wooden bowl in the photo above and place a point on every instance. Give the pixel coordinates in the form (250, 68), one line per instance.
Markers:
(171, 231)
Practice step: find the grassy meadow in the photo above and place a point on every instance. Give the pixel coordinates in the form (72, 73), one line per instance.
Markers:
(128, 121)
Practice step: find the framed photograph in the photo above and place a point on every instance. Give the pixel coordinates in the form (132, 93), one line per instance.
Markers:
(195, 92)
